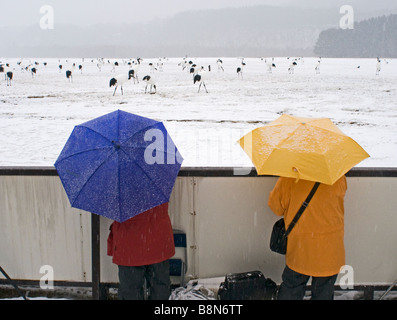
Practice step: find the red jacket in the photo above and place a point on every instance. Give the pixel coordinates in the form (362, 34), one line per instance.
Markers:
(142, 240)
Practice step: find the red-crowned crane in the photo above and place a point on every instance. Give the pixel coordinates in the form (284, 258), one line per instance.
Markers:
(378, 66)
(9, 76)
(270, 65)
(240, 70)
(119, 81)
(135, 69)
(150, 81)
(219, 62)
(317, 68)
(200, 78)
(291, 68)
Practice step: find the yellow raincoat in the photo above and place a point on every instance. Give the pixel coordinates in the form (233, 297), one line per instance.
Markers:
(316, 244)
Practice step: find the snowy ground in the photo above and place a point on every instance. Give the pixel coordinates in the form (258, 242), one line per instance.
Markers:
(38, 114)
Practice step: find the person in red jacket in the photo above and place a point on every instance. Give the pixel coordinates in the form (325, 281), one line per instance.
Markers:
(141, 247)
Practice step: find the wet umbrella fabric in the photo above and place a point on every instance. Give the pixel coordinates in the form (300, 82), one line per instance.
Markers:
(303, 148)
(119, 165)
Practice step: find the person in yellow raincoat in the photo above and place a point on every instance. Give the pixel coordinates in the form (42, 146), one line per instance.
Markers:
(316, 244)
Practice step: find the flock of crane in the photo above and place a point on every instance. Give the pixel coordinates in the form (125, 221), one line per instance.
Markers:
(116, 81)
(198, 72)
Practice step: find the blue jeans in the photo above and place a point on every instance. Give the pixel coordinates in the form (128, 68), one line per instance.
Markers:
(132, 282)
(293, 286)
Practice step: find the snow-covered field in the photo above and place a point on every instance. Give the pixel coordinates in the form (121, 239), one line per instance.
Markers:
(38, 114)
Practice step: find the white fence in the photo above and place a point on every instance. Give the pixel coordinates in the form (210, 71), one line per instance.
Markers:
(225, 217)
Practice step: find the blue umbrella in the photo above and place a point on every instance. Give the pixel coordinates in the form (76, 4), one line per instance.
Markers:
(118, 165)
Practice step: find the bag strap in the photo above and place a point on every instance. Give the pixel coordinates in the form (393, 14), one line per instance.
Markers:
(302, 208)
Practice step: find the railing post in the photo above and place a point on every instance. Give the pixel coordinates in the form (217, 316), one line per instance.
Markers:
(95, 256)
(369, 293)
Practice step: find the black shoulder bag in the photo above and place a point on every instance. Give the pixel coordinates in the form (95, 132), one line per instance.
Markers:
(278, 239)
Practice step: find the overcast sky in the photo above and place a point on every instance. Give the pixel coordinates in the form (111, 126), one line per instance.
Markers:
(88, 12)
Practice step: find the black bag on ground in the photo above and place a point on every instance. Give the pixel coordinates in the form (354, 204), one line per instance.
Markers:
(247, 286)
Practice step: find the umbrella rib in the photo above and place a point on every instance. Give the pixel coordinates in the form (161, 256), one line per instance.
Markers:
(285, 139)
(118, 162)
(118, 185)
(84, 151)
(131, 147)
(95, 132)
(292, 132)
(85, 183)
(140, 147)
(80, 152)
(133, 160)
(71, 155)
(135, 133)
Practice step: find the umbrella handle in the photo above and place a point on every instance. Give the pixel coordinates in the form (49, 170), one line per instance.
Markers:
(295, 169)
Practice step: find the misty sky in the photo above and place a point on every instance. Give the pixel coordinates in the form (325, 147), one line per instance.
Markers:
(88, 12)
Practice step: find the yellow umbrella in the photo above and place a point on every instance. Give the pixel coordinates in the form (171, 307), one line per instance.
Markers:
(303, 148)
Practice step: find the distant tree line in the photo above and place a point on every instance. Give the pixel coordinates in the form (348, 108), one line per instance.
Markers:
(375, 37)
